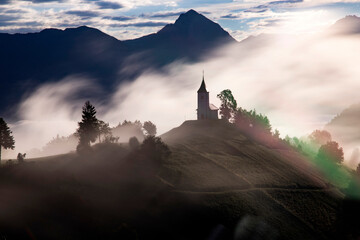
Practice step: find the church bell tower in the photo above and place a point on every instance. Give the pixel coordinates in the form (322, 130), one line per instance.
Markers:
(203, 102)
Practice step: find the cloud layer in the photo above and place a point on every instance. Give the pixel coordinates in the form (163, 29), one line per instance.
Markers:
(299, 82)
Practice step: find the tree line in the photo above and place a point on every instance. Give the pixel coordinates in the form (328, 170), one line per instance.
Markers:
(257, 125)
(90, 129)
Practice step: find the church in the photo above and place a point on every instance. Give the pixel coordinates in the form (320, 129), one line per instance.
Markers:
(205, 110)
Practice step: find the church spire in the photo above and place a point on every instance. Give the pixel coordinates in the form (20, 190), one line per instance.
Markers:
(203, 86)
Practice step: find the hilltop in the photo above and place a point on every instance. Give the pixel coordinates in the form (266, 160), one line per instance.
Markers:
(215, 160)
(217, 181)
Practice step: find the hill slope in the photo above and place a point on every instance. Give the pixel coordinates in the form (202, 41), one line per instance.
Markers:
(215, 160)
(216, 181)
(344, 127)
(348, 25)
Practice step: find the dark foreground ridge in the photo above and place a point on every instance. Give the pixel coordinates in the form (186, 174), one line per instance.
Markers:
(216, 183)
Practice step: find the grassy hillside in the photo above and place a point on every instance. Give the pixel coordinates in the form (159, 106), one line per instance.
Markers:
(239, 177)
(216, 184)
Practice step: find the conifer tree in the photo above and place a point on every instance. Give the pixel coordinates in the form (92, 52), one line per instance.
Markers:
(6, 139)
(88, 127)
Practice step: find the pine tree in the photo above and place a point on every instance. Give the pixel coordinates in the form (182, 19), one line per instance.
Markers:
(6, 139)
(88, 127)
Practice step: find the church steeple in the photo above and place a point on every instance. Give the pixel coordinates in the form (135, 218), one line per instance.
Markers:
(203, 86)
(205, 110)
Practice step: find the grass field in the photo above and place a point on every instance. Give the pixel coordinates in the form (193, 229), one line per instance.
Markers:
(216, 184)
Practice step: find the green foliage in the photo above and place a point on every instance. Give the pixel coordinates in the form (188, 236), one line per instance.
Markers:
(337, 174)
(150, 128)
(332, 152)
(6, 139)
(88, 127)
(252, 120)
(276, 134)
(228, 104)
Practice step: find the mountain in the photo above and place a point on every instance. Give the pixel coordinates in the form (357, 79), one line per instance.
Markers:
(345, 126)
(230, 172)
(29, 60)
(190, 37)
(348, 25)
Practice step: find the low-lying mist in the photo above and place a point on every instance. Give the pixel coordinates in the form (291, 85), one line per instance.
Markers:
(299, 82)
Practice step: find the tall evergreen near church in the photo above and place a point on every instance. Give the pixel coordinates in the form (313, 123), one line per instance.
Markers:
(6, 139)
(88, 127)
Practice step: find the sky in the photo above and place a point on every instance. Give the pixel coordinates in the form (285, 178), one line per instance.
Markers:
(128, 19)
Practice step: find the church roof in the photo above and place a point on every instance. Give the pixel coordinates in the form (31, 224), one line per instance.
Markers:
(213, 107)
(202, 87)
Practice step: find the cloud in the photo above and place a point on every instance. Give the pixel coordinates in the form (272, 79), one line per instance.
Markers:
(83, 13)
(264, 7)
(3, 2)
(141, 24)
(44, 1)
(162, 14)
(109, 5)
(120, 18)
(29, 24)
(52, 109)
(7, 18)
(229, 16)
(299, 82)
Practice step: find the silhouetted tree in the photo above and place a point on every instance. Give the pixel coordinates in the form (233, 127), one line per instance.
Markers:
(241, 119)
(155, 149)
(331, 151)
(149, 128)
(129, 129)
(104, 129)
(6, 139)
(21, 157)
(287, 139)
(228, 104)
(260, 122)
(320, 137)
(88, 127)
(134, 143)
(276, 134)
(111, 139)
(357, 171)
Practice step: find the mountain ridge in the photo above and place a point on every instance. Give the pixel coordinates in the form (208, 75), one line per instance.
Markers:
(32, 59)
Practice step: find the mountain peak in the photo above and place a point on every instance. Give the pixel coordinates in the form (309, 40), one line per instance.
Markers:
(190, 17)
(193, 25)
